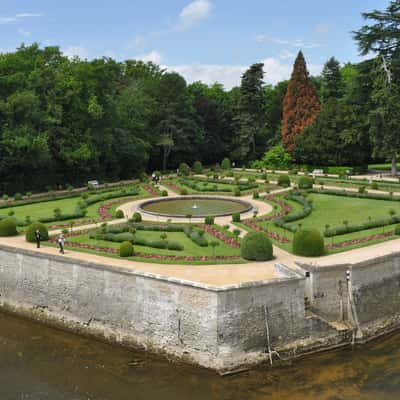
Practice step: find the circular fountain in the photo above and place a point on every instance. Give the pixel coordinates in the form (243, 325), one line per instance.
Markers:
(195, 206)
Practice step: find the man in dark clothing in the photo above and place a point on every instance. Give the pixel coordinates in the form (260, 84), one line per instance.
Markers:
(38, 238)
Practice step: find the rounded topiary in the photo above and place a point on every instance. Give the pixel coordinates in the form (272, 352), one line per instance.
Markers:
(184, 169)
(126, 249)
(8, 227)
(226, 163)
(256, 247)
(308, 243)
(305, 182)
(197, 167)
(284, 180)
(236, 217)
(137, 217)
(30, 232)
(119, 214)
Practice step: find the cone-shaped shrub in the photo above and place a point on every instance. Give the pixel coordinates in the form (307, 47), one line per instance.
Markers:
(284, 180)
(308, 243)
(30, 232)
(305, 182)
(8, 227)
(256, 247)
(126, 249)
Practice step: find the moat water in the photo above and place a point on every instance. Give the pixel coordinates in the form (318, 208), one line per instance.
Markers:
(39, 363)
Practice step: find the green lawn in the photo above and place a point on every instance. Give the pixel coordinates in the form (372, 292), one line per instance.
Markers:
(333, 210)
(68, 205)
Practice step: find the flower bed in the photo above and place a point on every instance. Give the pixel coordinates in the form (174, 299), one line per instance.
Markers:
(151, 190)
(112, 250)
(232, 242)
(273, 235)
(365, 239)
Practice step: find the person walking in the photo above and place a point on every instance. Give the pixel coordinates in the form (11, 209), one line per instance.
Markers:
(61, 243)
(38, 238)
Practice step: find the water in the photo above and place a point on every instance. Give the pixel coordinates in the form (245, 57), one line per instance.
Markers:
(38, 363)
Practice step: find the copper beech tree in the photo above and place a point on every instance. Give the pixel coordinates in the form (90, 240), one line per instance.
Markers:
(301, 105)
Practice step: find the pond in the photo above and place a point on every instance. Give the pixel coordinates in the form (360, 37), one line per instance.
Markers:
(39, 363)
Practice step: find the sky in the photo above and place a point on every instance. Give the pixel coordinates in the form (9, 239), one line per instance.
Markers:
(207, 40)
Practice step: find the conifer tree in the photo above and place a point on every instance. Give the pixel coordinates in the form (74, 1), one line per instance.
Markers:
(332, 81)
(301, 105)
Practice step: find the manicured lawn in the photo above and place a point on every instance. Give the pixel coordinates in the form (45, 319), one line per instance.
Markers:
(383, 167)
(68, 205)
(333, 210)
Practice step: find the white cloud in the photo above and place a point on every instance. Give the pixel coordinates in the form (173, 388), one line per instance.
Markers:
(29, 15)
(73, 51)
(23, 32)
(16, 17)
(230, 75)
(7, 20)
(193, 14)
(285, 54)
(154, 56)
(296, 43)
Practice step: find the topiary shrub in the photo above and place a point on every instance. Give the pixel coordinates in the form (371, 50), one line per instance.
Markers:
(397, 230)
(17, 196)
(184, 169)
(119, 214)
(183, 192)
(236, 217)
(226, 163)
(30, 232)
(8, 227)
(164, 193)
(256, 247)
(256, 195)
(137, 217)
(209, 220)
(374, 186)
(284, 180)
(236, 191)
(308, 243)
(197, 167)
(305, 182)
(126, 249)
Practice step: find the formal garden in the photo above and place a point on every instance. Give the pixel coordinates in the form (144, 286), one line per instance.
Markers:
(210, 216)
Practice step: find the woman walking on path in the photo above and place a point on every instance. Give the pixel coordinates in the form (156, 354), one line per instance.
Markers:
(61, 243)
(38, 238)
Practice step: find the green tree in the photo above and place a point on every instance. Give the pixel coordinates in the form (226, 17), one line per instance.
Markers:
(332, 81)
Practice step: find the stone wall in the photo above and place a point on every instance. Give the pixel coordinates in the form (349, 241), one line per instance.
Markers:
(223, 328)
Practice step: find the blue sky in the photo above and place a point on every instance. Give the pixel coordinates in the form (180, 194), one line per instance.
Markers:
(209, 40)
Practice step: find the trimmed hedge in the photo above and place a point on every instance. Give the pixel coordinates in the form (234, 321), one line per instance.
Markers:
(126, 249)
(197, 167)
(256, 247)
(308, 243)
(30, 232)
(284, 222)
(8, 227)
(284, 180)
(119, 214)
(305, 182)
(397, 230)
(195, 236)
(209, 220)
(372, 196)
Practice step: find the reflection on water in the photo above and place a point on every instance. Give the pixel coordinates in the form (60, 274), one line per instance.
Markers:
(38, 363)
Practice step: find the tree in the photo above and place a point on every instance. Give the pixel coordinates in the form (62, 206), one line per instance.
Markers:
(383, 39)
(276, 158)
(300, 104)
(332, 81)
(250, 118)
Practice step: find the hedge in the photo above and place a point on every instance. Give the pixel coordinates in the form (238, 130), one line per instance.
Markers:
(308, 243)
(284, 222)
(136, 217)
(195, 236)
(372, 196)
(8, 227)
(256, 246)
(30, 232)
(236, 217)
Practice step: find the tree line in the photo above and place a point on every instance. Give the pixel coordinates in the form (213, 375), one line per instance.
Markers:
(64, 121)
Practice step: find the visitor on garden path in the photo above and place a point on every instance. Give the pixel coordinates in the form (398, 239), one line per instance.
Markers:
(61, 243)
(38, 238)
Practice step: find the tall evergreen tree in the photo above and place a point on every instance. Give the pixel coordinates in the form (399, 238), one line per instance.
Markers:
(382, 37)
(332, 81)
(250, 118)
(301, 105)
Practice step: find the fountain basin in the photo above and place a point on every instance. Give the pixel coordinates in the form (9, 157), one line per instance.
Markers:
(195, 206)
